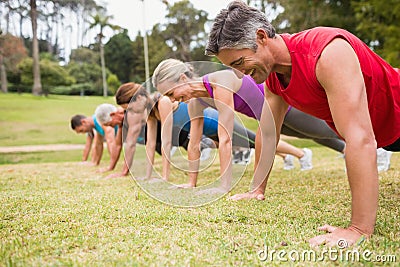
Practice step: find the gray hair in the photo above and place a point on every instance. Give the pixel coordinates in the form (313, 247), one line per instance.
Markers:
(103, 111)
(170, 70)
(235, 27)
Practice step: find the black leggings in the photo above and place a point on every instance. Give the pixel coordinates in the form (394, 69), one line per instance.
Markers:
(179, 138)
(302, 125)
(242, 137)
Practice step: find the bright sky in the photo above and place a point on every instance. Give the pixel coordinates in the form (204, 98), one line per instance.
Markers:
(129, 13)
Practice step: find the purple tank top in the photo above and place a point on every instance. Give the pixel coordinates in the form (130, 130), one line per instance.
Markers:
(248, 100)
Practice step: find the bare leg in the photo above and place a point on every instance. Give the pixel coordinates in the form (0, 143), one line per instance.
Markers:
(285, 148)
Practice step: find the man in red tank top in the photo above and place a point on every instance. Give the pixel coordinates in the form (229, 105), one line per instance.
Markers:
(328, 73)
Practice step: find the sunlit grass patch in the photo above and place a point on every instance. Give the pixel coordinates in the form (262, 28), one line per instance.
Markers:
(63, 214)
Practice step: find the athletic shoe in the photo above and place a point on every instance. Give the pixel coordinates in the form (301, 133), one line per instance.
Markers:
(247, 155)
(288, 162)
(237, 157)
(205, 153)
(306, 160)
(383, 159)
(207, 142)
(173, 150)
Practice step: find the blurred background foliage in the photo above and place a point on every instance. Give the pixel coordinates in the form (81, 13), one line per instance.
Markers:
(182, 36)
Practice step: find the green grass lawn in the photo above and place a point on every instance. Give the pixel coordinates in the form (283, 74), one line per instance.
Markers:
(55, 212)
(31, 120)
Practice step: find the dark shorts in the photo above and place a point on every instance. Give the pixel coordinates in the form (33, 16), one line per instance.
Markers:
(393, 147)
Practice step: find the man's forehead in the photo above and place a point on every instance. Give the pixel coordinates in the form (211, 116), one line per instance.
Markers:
(229, 56)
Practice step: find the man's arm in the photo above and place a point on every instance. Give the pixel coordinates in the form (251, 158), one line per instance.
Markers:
(97, 150)
(114, 146)
(88, 146)
(338, 70)
(135, 125)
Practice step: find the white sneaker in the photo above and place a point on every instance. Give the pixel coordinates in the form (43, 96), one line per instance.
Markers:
(383, 159)
(237, 157)
(205, 153)
(306, 160)
(173, 150)
(288, 162)
(246, 156)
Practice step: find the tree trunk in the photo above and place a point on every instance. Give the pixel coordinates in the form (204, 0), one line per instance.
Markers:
(21, 23)
(3, 76)
(103, 69)
(37, 84)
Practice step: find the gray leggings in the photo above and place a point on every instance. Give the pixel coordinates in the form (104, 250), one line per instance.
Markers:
(242, 137)
(302, 125)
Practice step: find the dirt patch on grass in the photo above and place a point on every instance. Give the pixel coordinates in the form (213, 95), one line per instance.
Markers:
(36, 148)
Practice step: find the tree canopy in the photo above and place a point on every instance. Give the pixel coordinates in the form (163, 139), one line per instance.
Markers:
(182, 36)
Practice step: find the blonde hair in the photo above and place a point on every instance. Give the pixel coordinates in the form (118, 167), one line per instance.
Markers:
(170, 70)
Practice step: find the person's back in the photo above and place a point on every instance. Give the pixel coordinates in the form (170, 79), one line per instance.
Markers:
(305, 92)
(181, 119)
(248, 99)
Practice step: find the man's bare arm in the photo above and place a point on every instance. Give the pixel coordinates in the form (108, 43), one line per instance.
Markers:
(338, 70)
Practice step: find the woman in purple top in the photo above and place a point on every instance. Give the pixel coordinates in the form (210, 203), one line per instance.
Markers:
(176, 80)
(296, 123)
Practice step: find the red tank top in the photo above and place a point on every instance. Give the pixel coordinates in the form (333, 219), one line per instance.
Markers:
(304, 92)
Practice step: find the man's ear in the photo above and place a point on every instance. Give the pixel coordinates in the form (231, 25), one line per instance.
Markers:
(262, 36)
(183, 78)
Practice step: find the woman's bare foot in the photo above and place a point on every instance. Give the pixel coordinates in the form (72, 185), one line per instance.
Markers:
(248, 195)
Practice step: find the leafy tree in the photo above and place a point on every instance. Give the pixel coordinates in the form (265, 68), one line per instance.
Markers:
(118, 53)
(138, 69)
(184, 29)
(84, 72)
(12, 51)
(113, 83)
(43, 46)
(52, 73)
(379, 27)
(84, 55)
(301, 15)
(158, 48)
(90, 74)
(102, 21)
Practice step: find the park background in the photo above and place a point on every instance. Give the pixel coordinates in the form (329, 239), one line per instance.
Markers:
(55, 212)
